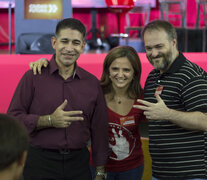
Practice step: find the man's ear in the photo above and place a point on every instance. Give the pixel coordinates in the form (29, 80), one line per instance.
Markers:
(175, 42)
(19, 165)
(53, 41)
(23, 158)
(83, 46)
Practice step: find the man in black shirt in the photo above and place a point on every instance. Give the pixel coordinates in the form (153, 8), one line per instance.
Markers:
(175, 105)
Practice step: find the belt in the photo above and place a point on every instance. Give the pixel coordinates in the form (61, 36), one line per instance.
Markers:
(59, 151)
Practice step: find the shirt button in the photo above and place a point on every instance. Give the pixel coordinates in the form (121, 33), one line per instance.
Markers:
(158, 81)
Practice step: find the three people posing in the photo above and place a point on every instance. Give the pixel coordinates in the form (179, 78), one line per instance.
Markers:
(175, 105)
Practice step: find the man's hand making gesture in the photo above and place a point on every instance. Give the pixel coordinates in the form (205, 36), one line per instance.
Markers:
(154, 111)
(60, 118)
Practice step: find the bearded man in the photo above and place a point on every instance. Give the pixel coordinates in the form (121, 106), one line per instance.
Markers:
(175, 104)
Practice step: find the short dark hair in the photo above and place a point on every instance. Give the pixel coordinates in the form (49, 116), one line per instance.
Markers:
(14, 140)
(134, 89)
(161, 24)
(71, 23)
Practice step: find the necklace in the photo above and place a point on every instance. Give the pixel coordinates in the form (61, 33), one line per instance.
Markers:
(119, 101)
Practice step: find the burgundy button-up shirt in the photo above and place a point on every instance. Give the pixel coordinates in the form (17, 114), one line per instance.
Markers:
(38, 95)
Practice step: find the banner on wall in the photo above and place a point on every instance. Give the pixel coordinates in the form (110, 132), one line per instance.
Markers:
(39, 9)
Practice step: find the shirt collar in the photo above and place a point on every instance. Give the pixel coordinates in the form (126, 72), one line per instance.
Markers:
(54, 68)
(178, 62)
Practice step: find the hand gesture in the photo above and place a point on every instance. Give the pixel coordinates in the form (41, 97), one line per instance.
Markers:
(37, 65)
(154, 111)
(62, 119)
(121, 148)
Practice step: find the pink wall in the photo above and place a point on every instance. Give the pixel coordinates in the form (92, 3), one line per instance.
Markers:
(12, 67)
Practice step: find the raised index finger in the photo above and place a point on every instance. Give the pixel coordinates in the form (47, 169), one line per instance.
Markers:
(72, 113)
(146, 103)
(144, 108)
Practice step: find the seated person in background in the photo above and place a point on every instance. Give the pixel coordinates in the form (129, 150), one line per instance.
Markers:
(14, 142)
(120, 82)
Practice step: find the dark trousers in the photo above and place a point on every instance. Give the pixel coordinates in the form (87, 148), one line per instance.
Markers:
(48, 165)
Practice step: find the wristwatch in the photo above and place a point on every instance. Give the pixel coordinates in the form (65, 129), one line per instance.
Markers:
(102, 174)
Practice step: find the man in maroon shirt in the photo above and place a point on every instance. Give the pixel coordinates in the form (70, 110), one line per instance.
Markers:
(62, 110)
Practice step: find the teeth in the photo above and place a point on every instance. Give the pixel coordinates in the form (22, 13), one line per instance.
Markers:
(68, 54)
(120, 80)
